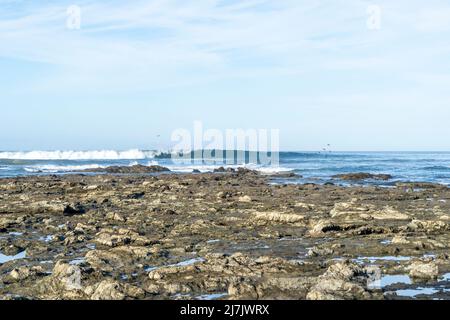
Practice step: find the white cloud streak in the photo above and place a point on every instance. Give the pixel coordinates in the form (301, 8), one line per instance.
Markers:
(131, 45)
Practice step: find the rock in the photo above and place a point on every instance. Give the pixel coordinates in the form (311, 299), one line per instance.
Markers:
(12, 249)
(112, 240)
(353, 211)
(389, 213)
(166, 226)
(113, 290)
(115, 216)
(68, 275)
(83, 228)
(117, 258)
(421, 270)
(400, 240)
(279, 217)
(130, 169)
(323, 226)
(108, 290)
(25, 272)
(52, 206)
(306, 206)
(74, 209)
(90, 188)
(245, 171)
(317, 252)
(362, 176)
(6, 223)
(136, 195)
(223, 170)
(351, 208)
(245, 199)
(342, 281)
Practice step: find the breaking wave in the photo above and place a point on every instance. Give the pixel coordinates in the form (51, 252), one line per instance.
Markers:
(134, 154)
(56, 168)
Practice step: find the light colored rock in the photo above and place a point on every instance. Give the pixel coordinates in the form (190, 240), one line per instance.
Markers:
(68, 275)
(306, 206)
(423, 270)
(317, 252)
(389, 213)
(245, 199)
(83, 228)
(24, 272)
(400, 240)
(91, 187)
(349, 209)
(108, 290)
(322, 226)
(54, 206)
(341, 281)
(6, 223)
(112, 240)
(279, 217)
(115, 217)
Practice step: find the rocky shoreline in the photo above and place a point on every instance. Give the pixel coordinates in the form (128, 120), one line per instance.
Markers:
(222, 235)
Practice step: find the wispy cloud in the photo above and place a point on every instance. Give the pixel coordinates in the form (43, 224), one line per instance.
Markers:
(133, 44)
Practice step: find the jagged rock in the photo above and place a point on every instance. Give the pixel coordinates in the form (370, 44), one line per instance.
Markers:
(342, 281)
(423, 270)
(112, 290)
(245, 199)
(316, 252)
(24, 272)
(400, 240)
(74, 209)
(6, 223)
(362, 176)
(279, 217)
(68, 275)
(158, 234)
(120, 237)
(323, 226)
(130, 169)
(115, 216)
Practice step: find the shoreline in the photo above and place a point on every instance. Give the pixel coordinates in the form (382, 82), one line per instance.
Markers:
(227, 235)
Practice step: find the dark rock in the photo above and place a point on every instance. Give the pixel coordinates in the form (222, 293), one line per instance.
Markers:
(72, 210)
(223, 170)
(130, 169)
(362, 176)
(244, 171)
(137, 195)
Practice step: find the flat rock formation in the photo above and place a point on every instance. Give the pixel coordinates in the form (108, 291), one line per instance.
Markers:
(129, 169)
(226, 235)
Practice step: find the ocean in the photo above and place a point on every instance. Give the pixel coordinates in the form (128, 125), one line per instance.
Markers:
(316, 167)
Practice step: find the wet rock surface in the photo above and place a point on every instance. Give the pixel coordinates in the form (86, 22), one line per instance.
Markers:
(130, 169)
(362, 176)
(229, 235)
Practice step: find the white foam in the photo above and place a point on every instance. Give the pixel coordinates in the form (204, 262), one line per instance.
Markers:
(56, 168)
(134, 154)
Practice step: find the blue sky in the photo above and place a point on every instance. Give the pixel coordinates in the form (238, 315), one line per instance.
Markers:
(138, 69)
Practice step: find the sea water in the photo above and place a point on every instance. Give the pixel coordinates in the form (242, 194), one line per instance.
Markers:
(316, 167)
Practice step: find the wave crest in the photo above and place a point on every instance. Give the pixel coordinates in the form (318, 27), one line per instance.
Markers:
(134, 154)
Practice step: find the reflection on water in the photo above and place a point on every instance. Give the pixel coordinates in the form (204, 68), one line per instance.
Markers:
(388, 280)
(214, 296)
(412, 293)
(4, 258)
